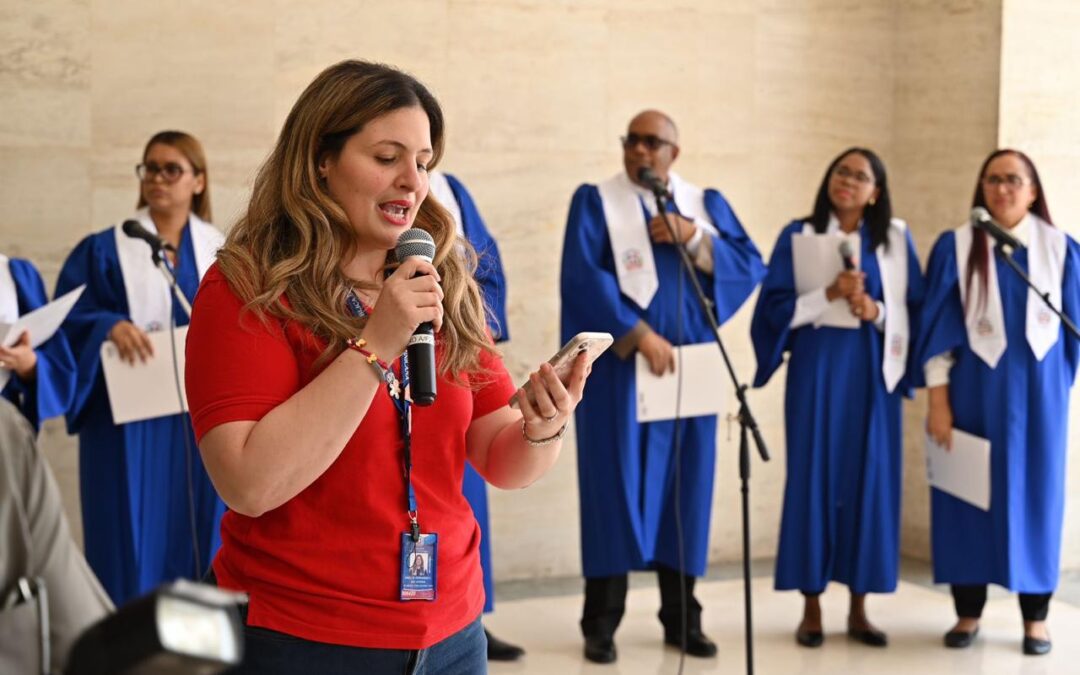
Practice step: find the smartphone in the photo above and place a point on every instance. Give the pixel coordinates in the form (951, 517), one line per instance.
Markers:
(592, 344)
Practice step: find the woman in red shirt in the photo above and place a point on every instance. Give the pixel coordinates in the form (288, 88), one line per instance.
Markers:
(295, 335)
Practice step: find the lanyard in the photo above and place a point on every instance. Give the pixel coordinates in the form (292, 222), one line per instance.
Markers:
(404, 409)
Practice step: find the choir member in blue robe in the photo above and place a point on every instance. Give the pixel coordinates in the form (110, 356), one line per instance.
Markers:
(147, 502)
(39, 382)
(622, 274)
(451, 193)
(999, 365)
(842, 409)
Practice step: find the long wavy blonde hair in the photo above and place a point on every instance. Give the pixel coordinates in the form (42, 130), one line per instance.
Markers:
(293, 239)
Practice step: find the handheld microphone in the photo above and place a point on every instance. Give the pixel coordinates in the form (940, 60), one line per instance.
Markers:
(135, 230)
(653, 182)
(416, 243)
(981, 220)
(847, 254)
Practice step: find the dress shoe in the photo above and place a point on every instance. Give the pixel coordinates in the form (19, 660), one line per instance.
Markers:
(697, 644)
(502, 651)
(810, 638)
(959, 639)
(1035, 646)
(600, 649)
(868, 636)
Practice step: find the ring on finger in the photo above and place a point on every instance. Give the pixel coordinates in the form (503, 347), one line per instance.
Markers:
(551, 417)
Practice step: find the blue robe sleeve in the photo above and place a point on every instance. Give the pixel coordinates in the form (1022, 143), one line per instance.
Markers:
(99, 308)
(1070, 303)
(770, 326)
(591, 299)
(50, 392)
(737, 263)
(489, 270)
(916, 296)
(941, 323)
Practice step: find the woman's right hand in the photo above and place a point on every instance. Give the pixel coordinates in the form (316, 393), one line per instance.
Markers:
(409, 297)
(939, 418)
(131, 342)
(847, 284)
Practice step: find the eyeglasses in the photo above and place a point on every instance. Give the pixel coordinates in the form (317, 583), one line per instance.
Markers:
(1012, 180)
(171, 172)
(652, 143)
(857, 176)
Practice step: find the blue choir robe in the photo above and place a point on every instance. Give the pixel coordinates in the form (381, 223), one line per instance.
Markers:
(841, 514)
(133, 477)
(492, 282)
(626, 469)
(1022, 407)
(50, 392)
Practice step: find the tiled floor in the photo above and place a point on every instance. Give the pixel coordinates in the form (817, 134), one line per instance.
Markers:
(915, 618)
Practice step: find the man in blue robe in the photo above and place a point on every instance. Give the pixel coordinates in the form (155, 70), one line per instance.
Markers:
(489, 275)
(39, 382)
(143, 485)
(621, 274)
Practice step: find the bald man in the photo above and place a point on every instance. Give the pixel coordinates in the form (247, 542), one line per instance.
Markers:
(621, 274)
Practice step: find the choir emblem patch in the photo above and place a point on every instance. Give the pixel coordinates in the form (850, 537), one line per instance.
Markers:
(984, 327)
(632, 260)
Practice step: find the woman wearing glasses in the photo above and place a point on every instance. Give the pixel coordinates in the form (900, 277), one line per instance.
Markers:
(150, 513)
(999, 365)
(848, 345)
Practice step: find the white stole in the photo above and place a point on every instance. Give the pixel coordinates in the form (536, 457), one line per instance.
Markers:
(893, 263)
(9, 298)
(628, 230)
(148, 294)
(984, 317)
(440, 189)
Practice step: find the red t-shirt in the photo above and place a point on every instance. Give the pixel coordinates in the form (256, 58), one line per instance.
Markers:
(325, 565)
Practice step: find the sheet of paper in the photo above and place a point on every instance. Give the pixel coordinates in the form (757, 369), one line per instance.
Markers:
(145, 390)
(704, 385)
(963, 471)
(816, 259)
(42, 323)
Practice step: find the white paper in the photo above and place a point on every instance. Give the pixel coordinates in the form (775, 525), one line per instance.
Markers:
(816, 259)
(703, 385)
(142, 391)
(42, 323)
(964, 471)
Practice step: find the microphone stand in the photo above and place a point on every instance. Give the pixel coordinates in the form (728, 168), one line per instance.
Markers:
(157, 255)
(747, 424)
(1006, 255)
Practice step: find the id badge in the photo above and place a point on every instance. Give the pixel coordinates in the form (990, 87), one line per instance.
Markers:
(418, 566)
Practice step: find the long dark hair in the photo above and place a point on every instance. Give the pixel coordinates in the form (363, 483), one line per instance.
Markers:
(979, 257)
(876, 216)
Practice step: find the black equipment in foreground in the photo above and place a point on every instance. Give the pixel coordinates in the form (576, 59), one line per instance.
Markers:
(416, 243)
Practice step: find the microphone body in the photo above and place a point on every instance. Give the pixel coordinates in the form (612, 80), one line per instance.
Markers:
(653, 182)
(981, 220)
(135, 230)
(421, 348)
(847, 255)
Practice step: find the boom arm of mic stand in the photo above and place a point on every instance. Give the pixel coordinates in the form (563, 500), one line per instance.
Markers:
(170, 278)
(746, 417)
(1045, 295)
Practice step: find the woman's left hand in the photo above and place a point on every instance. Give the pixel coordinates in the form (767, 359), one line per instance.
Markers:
(863, 306)
(553, 402)
(20, 357)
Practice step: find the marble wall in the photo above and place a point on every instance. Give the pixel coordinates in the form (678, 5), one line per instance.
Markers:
(536, 93)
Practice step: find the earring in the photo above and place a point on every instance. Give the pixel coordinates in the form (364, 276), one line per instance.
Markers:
(872, 201)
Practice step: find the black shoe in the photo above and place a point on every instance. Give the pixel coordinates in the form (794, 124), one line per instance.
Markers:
(810, 638)
(959, 639)
(600, 649)
(868, 636)
(502, 651)
(1035, 646)
(697, 643)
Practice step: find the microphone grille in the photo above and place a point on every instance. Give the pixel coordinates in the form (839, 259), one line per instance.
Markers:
(980, 214)
(845, 249)
(415, 243)
(646, 175)
(131, 228)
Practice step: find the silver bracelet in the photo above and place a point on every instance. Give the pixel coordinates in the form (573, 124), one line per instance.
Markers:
(543, 441)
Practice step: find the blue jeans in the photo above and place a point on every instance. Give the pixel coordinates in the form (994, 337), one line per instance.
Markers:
(268, 652)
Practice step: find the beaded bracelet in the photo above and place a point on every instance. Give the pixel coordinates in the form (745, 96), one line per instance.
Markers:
(382, 368)
(536, 443)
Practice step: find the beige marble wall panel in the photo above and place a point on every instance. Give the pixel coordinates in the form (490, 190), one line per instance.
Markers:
(1039, 81)
(945, 124)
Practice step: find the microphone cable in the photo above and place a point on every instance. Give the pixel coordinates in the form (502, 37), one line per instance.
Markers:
(679, 541)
